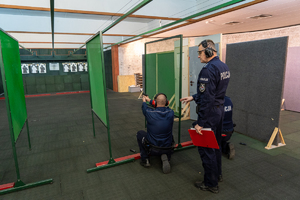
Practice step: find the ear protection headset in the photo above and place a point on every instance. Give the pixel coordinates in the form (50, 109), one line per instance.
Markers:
(154, 103)
(209, 52)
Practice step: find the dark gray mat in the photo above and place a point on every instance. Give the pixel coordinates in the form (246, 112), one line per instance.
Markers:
(257, 75)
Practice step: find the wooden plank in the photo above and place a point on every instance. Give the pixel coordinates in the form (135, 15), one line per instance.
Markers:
(281, 137)
(272, 138)
(115, 66)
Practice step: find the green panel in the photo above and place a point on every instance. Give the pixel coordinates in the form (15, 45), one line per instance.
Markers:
(59, 87)
(76, 78)
(30, 80)
(40, 80)
(58, 79)
(31, 89)
(41, 88)
(49, 80)
(50, 88)
(68, 87)
(1, 84)
(108, 69)
(68, 79)
(98, 90)
(150, 69)
(10, 65)
(166, 74)
(84, 78)
(76, 86)
(85, 86)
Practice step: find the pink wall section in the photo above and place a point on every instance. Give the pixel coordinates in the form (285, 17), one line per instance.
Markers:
(291, 92)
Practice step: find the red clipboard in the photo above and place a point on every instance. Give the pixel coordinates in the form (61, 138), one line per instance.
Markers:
(208, 139)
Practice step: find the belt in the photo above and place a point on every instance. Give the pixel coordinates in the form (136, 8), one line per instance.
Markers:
(198, 107)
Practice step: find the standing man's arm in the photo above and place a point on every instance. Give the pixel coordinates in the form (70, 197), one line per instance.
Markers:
(187, 99)
(144, 105)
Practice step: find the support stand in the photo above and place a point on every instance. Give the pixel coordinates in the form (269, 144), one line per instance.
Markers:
(19, 185)
(141, 94)
(131, 158)
(186, 113)
(282, 104)
(270, 146)
(171, 102)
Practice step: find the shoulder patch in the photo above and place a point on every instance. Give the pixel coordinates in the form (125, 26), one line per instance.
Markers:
(202, 87)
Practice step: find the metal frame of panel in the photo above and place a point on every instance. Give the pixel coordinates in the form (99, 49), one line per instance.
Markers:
(179, 78)
(19, 184)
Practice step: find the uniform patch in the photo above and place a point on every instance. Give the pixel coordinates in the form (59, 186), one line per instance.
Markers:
(202, 87)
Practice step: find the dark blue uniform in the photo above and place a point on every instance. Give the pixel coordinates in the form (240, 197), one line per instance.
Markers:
(212, 83)
(159, 128)
(227, 124)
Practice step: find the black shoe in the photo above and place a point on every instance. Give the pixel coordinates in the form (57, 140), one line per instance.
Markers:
(166, 167)
(231, 153)
(145, 163)
(200, 185)
(220, 179)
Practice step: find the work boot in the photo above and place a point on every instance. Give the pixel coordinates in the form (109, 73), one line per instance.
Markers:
(145, 163)
(166, 167)
(220, 179)
(231, 153)
(201, 185)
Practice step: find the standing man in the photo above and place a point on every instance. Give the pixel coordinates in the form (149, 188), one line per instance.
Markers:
(212, 83)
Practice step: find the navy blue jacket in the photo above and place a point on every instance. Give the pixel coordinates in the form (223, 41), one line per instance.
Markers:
(227, 122)
(159, 125)
(212, 83)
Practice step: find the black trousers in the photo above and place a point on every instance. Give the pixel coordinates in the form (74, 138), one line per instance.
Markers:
(145, 153)
(225, 143)
(211, 158)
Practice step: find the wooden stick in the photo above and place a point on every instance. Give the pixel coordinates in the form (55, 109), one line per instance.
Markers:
(281, 137)
(140, 95)
(282, 104)
(272, 138)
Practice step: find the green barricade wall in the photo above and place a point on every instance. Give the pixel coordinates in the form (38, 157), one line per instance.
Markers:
(55, 83)
(166, 73)
(160, 72)
(12, 76)
(163, 70)
(108, 69)
(1, 84)
(151, 74)
(97, 84)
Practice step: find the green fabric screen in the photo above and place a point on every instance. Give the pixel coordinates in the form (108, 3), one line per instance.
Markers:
(10, 65)
(97, 78)
(108, 69)
(151, 74)
(166, 74)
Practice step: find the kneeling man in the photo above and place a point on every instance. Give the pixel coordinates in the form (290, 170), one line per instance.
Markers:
(158, 140)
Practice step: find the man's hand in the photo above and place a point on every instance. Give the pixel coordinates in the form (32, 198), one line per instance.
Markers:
(198, 129)
(146, 98)
(186, 99)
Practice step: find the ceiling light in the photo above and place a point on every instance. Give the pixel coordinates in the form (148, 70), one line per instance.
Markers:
(262, 16)
(232, 23)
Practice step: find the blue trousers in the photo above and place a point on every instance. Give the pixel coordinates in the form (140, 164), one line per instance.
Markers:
(140, 136)
(211, 158)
